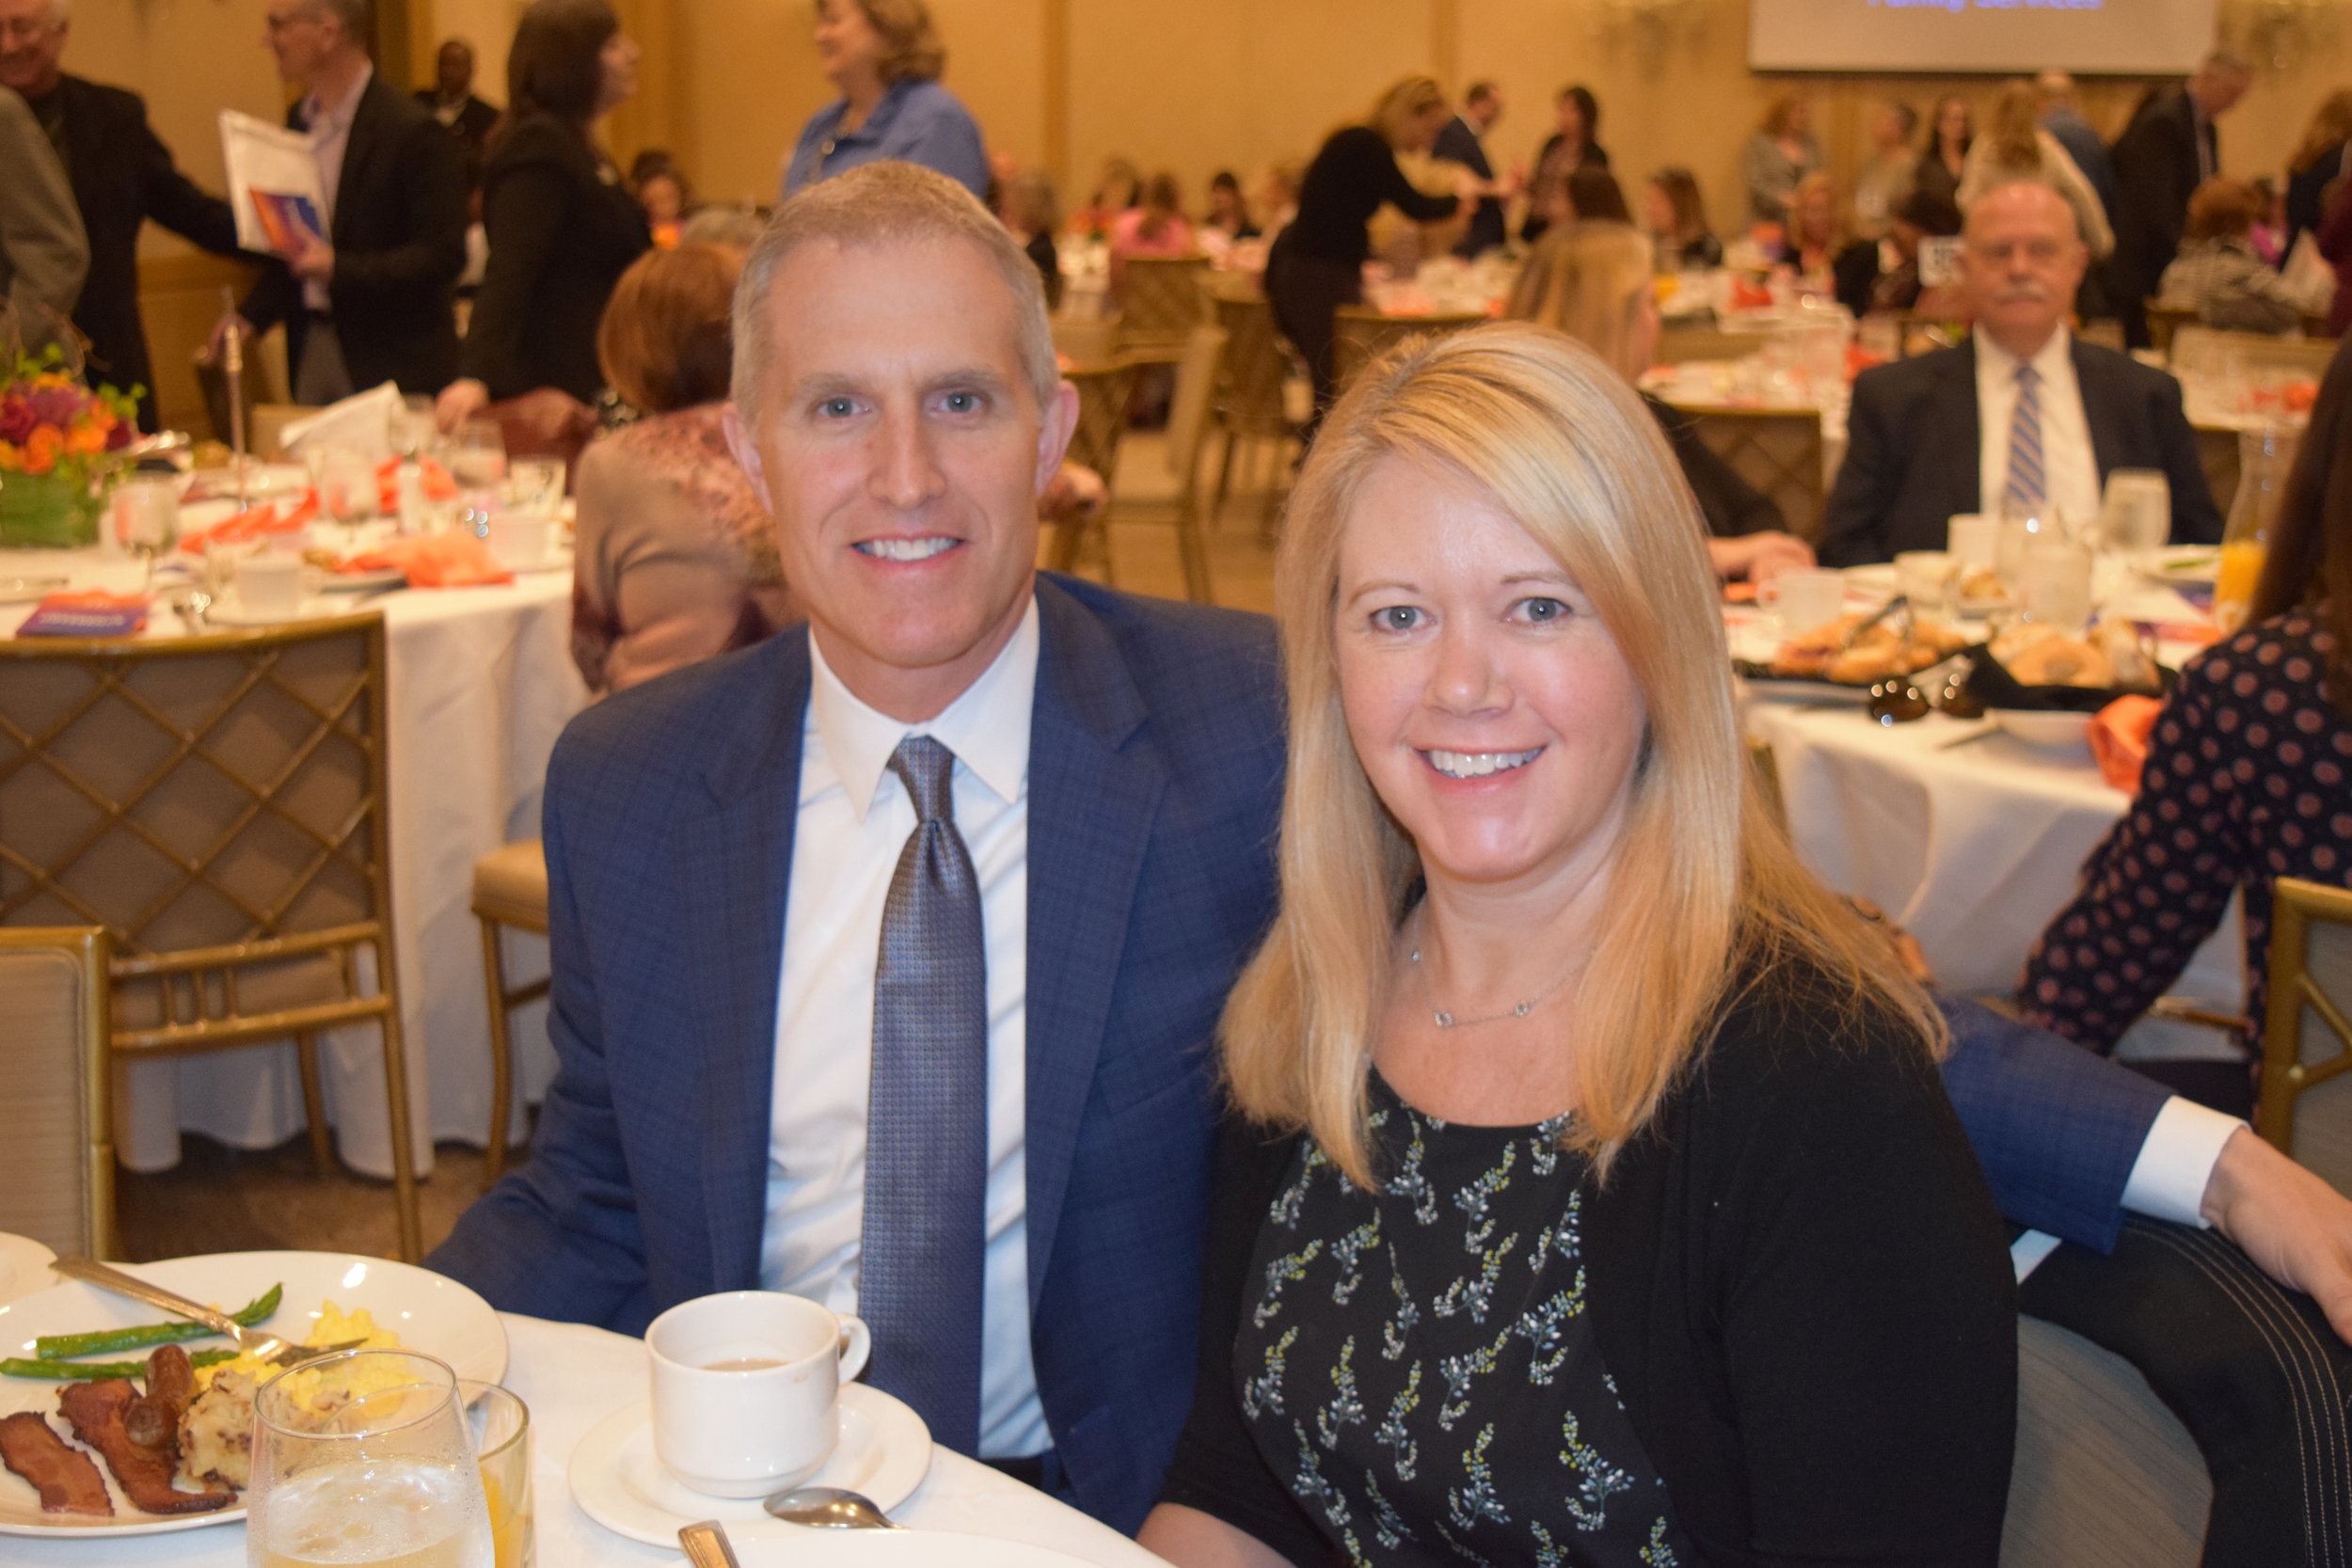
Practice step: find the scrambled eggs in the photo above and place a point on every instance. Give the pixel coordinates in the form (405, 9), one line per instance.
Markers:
(216, 1431)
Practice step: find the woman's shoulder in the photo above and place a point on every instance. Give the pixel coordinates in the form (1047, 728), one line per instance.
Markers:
(931, 98)
(1791, 1034)
(539, 139)
(2288, 652)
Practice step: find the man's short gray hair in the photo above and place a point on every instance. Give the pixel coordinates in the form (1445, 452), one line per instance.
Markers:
(351, 15)
(885, 203)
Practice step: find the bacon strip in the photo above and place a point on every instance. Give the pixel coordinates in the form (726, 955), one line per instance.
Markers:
(69, 1482)
(96, 1412)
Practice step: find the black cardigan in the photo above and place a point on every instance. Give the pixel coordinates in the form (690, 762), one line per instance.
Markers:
(1351, 179)
(561, 234)
(1730, 504)
(1799, 1284)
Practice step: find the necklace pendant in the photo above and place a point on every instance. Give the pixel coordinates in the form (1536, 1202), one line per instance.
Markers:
(1445, 1019)
(1522, 1009)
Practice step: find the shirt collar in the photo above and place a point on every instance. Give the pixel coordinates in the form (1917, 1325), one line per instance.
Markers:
(987, 727)
(318, 116)
(2051, 357)
(893, 99)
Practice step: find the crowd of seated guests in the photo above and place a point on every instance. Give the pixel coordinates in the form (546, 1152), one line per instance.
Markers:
(1156, 228)
(1677, 220)
(2218, 276)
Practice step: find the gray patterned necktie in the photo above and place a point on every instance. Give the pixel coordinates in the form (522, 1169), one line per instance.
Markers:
(926, 1121)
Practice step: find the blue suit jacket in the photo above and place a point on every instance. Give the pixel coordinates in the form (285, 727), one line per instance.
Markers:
(1155, 786)
(1154, 793)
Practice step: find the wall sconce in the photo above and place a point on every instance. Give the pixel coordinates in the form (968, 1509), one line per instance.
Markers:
(1652, 29)
(2276, 33)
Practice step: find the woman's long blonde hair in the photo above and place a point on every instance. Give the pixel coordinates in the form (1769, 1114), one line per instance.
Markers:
(1406, 100)
(1558, 441)
(1588, 280)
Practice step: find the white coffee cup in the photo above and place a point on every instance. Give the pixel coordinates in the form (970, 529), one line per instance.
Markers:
(744, 1385)
(520, 538)
(1974, 539)
(269, 582)
(1925, 578)
(1804, 599)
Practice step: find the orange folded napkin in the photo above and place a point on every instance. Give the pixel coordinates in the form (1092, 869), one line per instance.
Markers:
(437, 561)
(262, 520)
(2118, 740)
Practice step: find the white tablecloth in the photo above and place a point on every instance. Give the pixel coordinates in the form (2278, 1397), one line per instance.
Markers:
(1971, 847)
(481, 682)
(572, 1377)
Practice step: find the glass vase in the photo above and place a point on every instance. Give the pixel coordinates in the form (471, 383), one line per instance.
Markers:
(46, 512)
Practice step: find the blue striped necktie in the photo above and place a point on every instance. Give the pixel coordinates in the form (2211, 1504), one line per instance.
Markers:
(2028, 486)
(919, 1278)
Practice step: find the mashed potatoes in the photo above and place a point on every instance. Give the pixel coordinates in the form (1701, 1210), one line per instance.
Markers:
(216, 1431)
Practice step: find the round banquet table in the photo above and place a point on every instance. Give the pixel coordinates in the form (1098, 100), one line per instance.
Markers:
(479, 682)
(572, 1376)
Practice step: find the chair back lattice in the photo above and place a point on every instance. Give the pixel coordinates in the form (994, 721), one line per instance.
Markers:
(2305, 1103)
(1250, 392)
(2163, 321)
(217, 804)
(1161, 299)
(56, 1143)
(1777, 451)
(1362, 335)
(2213, 352)
(1104, 391)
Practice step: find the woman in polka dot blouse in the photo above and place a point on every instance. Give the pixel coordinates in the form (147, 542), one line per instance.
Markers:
(2248, 775)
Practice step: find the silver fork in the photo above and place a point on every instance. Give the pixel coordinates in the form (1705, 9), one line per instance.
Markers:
(270, 1347)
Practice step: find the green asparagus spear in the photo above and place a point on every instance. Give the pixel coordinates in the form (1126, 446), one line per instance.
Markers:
(68, 1371)
(58, 1347)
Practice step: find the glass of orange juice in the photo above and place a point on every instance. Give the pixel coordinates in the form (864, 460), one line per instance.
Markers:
(499, 1424)
(2265, 457)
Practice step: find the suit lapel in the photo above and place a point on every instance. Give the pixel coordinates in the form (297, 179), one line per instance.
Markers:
(358, 146)
(1957, 413)
(1095, 787)
(732, 852)
(2101, 409)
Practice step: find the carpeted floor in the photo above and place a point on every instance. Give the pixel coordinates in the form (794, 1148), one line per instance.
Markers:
(222, 1199)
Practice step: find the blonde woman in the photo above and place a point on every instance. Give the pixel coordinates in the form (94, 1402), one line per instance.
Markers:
(885, 59)
(1317, 264)
(2015, 147)
(1592, 281)
(1592, 1194)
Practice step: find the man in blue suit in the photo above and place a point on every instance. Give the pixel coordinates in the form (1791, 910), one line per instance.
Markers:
(728, 850)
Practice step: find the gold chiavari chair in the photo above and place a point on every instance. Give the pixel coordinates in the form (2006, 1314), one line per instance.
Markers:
(2163, 321)
(216, 804)
(1361, 334)
(57, 1119)
(2305, 1108)
(1161, 299)
(510, 890)
(1777, 450)
(1103, 391)
(1251, 405)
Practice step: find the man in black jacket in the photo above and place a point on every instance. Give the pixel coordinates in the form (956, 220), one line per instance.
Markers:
(450, 100)
(2167, 151)
(372, 300)
(2021, 417)
(1463, 141)
(121, 174)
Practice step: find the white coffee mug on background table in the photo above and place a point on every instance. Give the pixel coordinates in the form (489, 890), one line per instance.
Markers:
(1804, 599)
(744, 1388)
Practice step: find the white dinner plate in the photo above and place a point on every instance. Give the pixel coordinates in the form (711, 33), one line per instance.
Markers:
(892, 1548)
(557, 560)
(885, 1452)
(29, 589)
(2050, 731)
(359, 582)
(2186, 565)
(24, 1267)
(229, 612)
(430, 1313)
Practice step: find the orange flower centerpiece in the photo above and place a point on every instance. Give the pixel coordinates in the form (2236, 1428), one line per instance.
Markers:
(56, 437)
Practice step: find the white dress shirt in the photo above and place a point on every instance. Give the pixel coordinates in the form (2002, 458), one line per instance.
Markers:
(2068, 467)
(854, 818)
(330, 133)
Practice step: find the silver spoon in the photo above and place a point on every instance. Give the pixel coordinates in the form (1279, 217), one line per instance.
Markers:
(828, 1508)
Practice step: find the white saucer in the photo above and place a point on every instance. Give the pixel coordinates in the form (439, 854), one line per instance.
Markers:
(896, 1548)
(559, 559)
(885, 1452)
(24, 1267)
(229, 612)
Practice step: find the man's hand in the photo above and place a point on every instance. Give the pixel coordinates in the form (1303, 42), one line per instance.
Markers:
(460, 401)
(2295, 1227)
(313, 258)
(1758, 556)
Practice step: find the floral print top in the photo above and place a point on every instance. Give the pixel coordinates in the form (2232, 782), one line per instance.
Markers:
(1444, 1398)
(2248, 778)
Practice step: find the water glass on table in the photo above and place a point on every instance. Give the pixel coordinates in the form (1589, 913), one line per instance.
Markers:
(499, 1425)
(2054, 584)
(2135, 513)
(346, 482)
(534, 484)
(364, 1457)
(147, 517)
